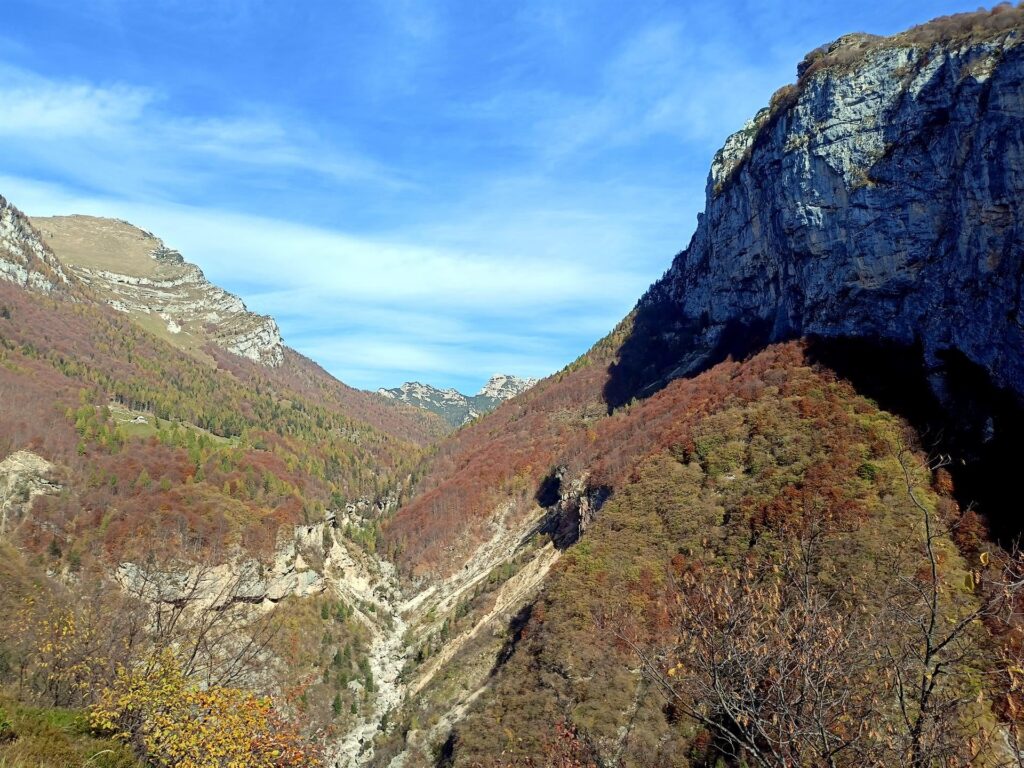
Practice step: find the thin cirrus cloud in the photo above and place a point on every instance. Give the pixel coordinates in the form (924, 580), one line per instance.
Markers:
(376, 312)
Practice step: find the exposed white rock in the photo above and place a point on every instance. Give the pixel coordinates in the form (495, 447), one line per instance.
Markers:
(457, 408)
(136, 273)
(501, 386)
(23, 476)
(24, 258)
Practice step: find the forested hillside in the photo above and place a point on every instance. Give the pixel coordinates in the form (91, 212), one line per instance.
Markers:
(141, 474)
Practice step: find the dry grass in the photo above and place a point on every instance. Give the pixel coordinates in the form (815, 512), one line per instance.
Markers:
(973, 27)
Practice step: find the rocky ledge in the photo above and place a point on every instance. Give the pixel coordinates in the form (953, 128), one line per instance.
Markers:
(23, 476)
(24, 258)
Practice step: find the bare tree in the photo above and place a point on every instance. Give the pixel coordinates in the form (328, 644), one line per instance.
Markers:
(208, 614)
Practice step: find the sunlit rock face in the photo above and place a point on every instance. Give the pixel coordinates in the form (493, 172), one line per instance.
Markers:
(136, 273)
(23, 476)
(456, 408)
(878, 198)
(24, 258)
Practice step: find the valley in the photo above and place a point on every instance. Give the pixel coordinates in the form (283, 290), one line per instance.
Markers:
(769, 519)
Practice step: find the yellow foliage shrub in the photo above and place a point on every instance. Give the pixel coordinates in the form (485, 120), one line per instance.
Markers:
(180, 725)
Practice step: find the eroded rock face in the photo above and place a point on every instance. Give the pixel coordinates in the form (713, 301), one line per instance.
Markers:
(308, 560)
(881, 199)
(136, 273)
(24, 258)
(23, 476)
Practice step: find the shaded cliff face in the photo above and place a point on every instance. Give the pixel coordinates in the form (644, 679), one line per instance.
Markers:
(136, 273)
(878, 198)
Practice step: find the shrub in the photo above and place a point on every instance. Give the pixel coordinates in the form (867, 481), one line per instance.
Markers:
(180, 725)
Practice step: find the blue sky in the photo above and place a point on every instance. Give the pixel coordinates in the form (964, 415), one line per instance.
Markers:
(415, 190)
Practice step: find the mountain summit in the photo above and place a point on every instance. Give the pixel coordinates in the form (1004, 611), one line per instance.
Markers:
(456, 408)
(135, 273)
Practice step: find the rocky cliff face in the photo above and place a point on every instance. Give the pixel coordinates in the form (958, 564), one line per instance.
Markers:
(877, 198)
(23, 476)
(504, 387)
(456, 408)
(137, 274)
(24, 258)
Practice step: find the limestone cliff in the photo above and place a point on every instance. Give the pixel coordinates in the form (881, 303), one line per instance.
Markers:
(24, 259)
(23, 476)
(136, 273)
(877, 198)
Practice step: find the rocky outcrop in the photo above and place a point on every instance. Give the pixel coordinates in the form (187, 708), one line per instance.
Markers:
(503, 387)
(136, 273)
(24, 259)
(23, 476)
(456, 408)
(878, 198)
(572, 506)
(308, 560)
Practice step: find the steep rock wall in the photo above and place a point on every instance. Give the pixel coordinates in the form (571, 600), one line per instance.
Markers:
(878, 199)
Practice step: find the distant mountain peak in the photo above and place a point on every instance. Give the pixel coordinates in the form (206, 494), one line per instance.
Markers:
(456, 408)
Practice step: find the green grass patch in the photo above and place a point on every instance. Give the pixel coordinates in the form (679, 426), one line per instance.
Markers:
(32, 737)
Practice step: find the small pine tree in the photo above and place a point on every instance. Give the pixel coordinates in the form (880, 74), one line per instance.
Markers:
(336, 704)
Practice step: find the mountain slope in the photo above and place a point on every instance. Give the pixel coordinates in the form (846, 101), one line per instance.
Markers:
(875, 198)
(453, 406)
(132, 467)
(24, 259)
(135, 273)
(873, 210)
(659, 556)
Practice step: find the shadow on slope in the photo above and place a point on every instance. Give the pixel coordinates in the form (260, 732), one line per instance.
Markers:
(956, 408)
(663, 346)
(957, 411)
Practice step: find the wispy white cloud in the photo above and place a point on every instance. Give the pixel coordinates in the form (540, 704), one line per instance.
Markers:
(428, 193)
(360, 304)
(69, 110)
(129, 129)
(660, 81)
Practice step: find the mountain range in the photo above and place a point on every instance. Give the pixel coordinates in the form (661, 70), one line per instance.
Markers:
(769, 519)
(453, 406)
